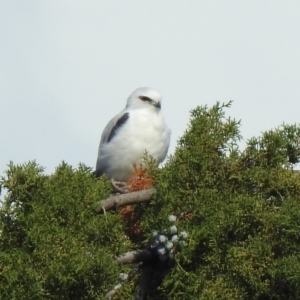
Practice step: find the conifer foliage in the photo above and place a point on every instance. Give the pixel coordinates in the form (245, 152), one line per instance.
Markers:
(239, 210)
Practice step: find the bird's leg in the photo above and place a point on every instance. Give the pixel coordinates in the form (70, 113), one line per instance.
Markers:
(120, 186)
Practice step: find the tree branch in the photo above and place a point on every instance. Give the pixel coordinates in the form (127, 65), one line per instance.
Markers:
(113, 291)
(125, 199)
(134, 256)
(128, 258)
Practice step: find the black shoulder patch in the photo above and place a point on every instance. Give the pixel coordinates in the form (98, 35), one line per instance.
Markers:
(119, 123)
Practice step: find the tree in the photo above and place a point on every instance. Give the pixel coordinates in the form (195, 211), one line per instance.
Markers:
(240, 210)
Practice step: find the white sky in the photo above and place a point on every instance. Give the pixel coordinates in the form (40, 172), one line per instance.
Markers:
(67, 67)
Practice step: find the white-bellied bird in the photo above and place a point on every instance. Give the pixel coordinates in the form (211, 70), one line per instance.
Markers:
(137, 129)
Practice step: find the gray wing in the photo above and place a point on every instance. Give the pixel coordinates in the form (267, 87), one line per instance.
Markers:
(111, 128)
(108, 134)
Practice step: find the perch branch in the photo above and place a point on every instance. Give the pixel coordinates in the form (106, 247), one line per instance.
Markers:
(125, 199)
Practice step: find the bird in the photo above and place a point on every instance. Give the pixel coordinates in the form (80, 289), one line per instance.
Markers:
(138, 129)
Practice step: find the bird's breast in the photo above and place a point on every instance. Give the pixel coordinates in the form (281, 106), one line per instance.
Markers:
(144, 131)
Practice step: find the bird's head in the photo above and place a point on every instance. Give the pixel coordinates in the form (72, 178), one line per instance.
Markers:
(144, 97)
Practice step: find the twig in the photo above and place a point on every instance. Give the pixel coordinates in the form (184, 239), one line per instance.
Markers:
(113, 291)
(125, 199)
(127, 258)
(134, 256)
(182, 269)
(281, 197)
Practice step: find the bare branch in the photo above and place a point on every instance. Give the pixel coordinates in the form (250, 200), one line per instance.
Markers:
(134, 256)
(125, 199)
(113, 291)
(131, 256)
(127, 258)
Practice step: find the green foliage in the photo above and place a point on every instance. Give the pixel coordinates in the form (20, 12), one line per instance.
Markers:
(53, 246)
(240, 208)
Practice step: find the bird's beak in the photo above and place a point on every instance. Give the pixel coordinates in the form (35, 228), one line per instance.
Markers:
(157, 105)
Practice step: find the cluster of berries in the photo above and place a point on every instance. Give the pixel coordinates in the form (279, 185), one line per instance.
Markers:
(166, 242)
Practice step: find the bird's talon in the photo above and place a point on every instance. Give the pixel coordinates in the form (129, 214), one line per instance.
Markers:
(120, 187)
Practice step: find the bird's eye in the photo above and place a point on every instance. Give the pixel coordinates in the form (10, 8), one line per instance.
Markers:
(145, 99)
